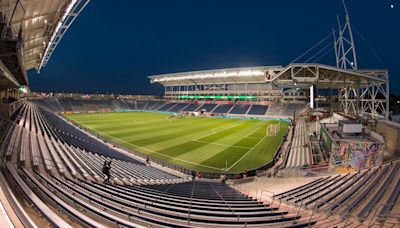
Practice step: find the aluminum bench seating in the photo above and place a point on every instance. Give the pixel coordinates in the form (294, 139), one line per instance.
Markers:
(54, 155)
(344, 187)
(184, 207)
(164, 198)
(301, 188)
(45, 155)
(300, 195)
(71, 157)
(46, 211)
(177, 219)
(25, 145)
(77, 214)
(61, 152)
(34, 149)
(378, 195)
(325, 190)
(390, 202)
(366, 190)
(353, 189)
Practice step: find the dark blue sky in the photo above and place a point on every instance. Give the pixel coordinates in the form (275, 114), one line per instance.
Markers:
(112, 47)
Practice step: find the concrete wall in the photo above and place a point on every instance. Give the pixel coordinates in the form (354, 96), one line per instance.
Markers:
(391, 133)
(7, 109)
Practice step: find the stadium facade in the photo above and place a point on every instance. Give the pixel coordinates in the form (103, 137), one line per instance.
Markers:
(360, 92)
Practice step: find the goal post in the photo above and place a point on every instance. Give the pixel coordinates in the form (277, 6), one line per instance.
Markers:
(273, 129)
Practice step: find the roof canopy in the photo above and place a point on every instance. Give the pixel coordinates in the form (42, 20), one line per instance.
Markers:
(293, 74)
(43, 23)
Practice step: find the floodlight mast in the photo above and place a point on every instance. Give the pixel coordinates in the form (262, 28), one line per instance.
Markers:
(343, 46)
(371, 100)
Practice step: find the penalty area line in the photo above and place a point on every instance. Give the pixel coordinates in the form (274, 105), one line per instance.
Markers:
(247, 153)
(152, 151)
(221, 144)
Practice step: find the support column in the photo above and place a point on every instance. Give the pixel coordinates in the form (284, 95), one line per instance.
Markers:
(331, 103)
(387, 97)
(357, 94)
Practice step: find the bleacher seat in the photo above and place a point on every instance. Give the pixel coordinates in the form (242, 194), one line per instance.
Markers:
(239, 109)
(223, 108)
(258, 110)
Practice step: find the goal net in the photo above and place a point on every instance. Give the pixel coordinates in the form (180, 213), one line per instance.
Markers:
(273, 129)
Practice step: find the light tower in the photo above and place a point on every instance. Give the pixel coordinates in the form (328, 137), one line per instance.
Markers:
(345, 49)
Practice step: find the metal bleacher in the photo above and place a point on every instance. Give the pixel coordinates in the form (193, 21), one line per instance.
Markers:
(68, 174)
(368, 194)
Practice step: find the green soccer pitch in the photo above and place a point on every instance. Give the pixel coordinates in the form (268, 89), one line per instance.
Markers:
(204, 144)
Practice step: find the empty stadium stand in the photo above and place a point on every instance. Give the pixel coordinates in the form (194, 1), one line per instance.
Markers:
(367, 195)
(239, 109)
(191, 107)
(299, 153)
(64, 167)
(223, 108)
(293, 108)
(208, 107)
(178, 107)
(167, 106)
(96, 105)
(257, 110)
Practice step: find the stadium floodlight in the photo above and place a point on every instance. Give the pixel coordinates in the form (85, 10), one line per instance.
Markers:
(224, 74)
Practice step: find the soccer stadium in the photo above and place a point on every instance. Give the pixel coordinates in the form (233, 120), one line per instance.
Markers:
(304, 144)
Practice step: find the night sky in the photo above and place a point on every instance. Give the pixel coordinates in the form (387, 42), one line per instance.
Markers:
(114, 45)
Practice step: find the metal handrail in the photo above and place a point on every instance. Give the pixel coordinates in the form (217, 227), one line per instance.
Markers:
(385, 215)
(316, 209)
(263, 193)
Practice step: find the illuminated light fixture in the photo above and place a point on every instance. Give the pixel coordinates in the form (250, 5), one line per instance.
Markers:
(243, 73)
(217, 97)
(45, 21)
(58, 27)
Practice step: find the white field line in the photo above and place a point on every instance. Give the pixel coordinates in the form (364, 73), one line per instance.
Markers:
(249, 137)
(213, 132)
(143, 148)
(244, 155)
(221, 144)
(248, 152)
(148, 121)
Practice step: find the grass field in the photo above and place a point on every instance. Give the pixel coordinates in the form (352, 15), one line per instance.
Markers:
(200, 143)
